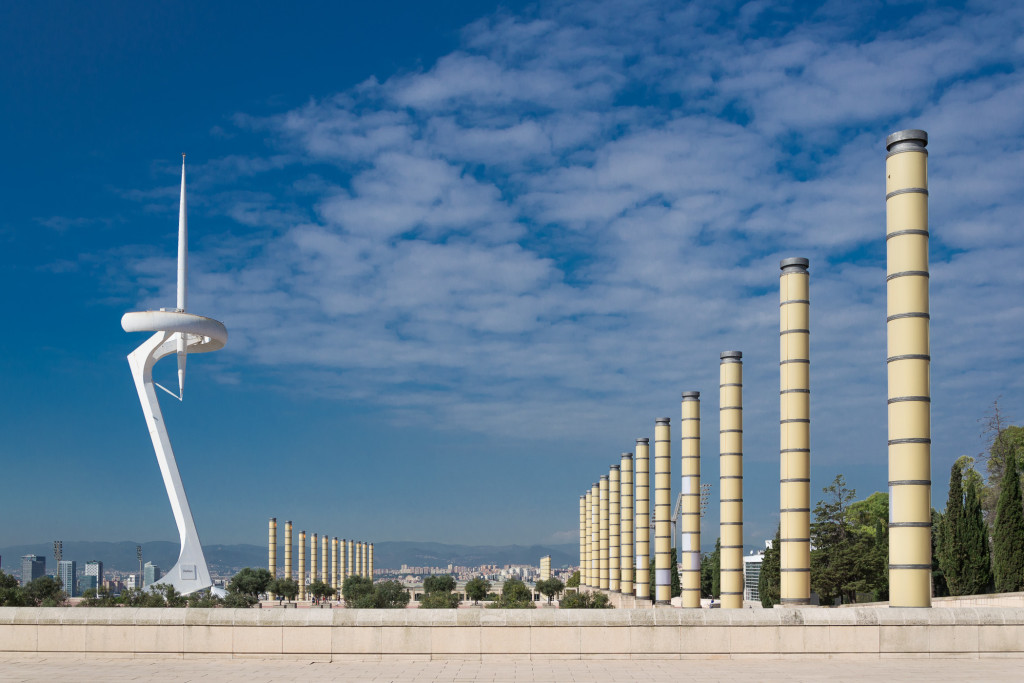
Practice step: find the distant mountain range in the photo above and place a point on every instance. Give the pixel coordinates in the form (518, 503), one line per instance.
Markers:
(227, 559)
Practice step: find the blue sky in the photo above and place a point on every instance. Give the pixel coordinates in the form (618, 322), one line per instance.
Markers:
(467, 252)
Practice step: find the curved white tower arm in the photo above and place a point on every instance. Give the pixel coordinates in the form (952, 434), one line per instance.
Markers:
(175, 332)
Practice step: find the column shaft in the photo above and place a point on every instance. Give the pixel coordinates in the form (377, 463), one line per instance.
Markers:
(626, 525)
(595, 536)
(662, 511)
(730, 441)
(909, 361)
(314, 546)
(603, 532)
(614, 519)
(334, 563)
(350, 559)
(583, 540)
(288, 550)
(689, 569)
(302, 565)
(794, 433)
(643, 520)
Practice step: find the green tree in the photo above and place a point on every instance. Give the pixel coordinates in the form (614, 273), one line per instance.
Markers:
(321, 590)
(477, 589)
(674, 583)
(11, 594)
(514, 595)
(978, 568)
(46, 591)
(768, 583)
(574, 580)
(585, 600)
(1008, 535)
(550, 588)
(358, 592)
(1004, 440)
(441, 583)
(284, 589)
(951, 541)
(251, 583)
(837, 549)
(204, 599)
(170, 595)
(439, 600)
(390, 595)
(711, 572)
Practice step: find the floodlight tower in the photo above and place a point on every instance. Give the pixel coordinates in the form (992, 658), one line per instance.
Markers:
(175, 332)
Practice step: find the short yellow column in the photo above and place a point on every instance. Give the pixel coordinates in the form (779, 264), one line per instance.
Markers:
(730, 455)
(583, 540)
(909, 361)
(369, 561)
(350, 559)
(334, 563)
(272, 550)
(626, 525)
(324, 551)
(689, 569)
(643, 521)
(314, 547)
(794, 433)
(595, 536)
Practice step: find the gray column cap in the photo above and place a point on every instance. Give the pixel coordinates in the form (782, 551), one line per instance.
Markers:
(643, 440)
(794, 264)
(615, 467)
(604, 476)
(911, 135)
(627, 455)
(731, 354)
(692, 395)
(662, 420)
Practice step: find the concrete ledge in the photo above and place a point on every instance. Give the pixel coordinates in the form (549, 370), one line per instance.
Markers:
(491, 635)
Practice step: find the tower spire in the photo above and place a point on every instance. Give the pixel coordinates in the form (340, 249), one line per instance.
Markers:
(182, 280)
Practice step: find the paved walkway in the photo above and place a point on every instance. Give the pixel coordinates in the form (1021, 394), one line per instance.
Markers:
(15, 668)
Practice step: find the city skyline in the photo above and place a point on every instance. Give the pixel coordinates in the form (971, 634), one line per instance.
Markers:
(508, 238)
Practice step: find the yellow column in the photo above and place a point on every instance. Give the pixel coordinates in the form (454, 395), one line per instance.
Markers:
(545, 568)
(689, 568)
(583, 541)
(909, 360)
(730, 444)
(626, 525)
(595, 536)
(366, 560)
(334, 563)
(643, 520)
(662, 511)
(314, 575)
(302, 565)
(342, 562)
(350, 559)
(603, 532)
(370, 563)
(359, 559)
(614, 519)
(272, 548)
(794, 432)
(288, 550)
(324, 551)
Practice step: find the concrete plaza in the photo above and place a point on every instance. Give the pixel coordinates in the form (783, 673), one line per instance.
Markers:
(47, 668)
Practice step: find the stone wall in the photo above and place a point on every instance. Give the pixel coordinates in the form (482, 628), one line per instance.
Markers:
(483, 634)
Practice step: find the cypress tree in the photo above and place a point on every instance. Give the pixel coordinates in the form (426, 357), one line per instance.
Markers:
(1008, 535)
(950, 549)
(977, 558)
(768, 584)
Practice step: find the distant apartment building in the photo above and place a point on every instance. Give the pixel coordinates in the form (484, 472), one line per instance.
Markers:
(86, 582)
(150, 574)
(66, 574)
(752, 573)
(132, 581)
(94, 568)
(32, 567)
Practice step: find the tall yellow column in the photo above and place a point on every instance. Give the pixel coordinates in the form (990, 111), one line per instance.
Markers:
(360, 555)
(794, 432)
(314, 575)
(643, 520)
(614, 519)
(730, 444)
(909, 361)
(626, 525)
(595, 536)
(350, 559)
(342, 561)
(545, 568)
(334, 563)
(583, 541)
(662, 511)
(288, 550)
(302, 565)
(369, 561)
(689, 568)
(324, 551)
(603, 532)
